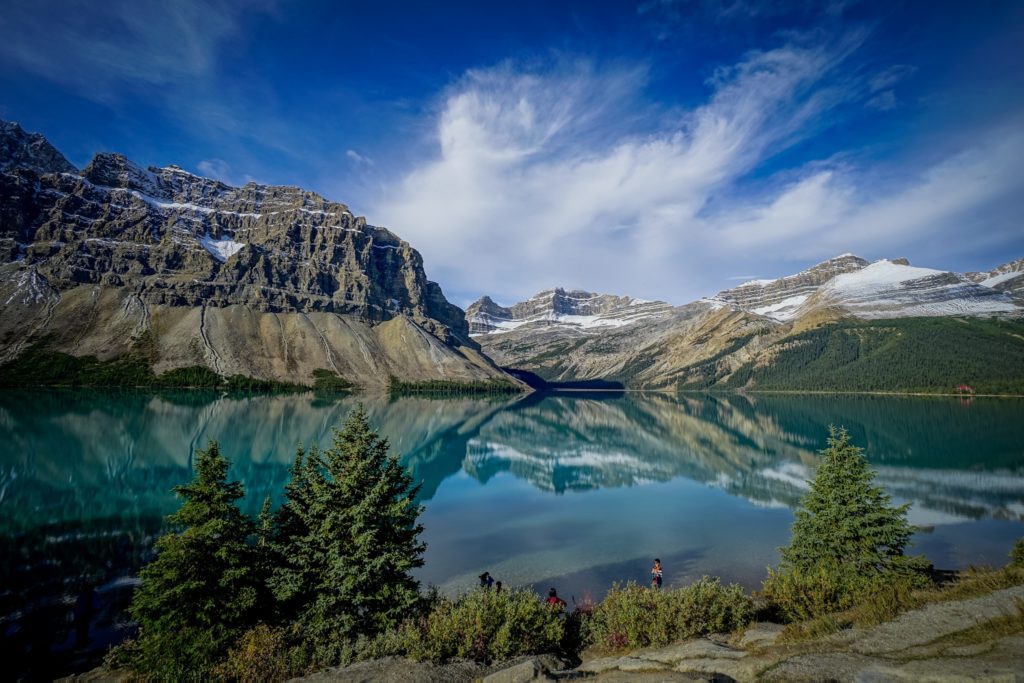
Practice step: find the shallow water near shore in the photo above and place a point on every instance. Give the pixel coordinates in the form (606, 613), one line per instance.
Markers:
(571, 490)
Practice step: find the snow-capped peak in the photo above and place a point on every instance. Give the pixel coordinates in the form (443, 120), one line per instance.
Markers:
(886, 289)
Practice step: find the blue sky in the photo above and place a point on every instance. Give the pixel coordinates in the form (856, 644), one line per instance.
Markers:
(663, 148)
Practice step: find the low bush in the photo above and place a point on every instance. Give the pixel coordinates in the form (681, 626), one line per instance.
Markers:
(633, 616)
(484, 626)
(800, 595)
(261, 655)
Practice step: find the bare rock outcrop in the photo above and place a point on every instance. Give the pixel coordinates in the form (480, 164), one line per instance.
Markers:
(265, 280)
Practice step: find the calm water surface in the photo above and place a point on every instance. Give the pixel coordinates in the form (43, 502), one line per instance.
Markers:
(575, 491)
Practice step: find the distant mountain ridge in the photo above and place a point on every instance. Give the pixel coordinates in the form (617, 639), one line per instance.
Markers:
(571, 309)
(1008, 278)
(733, 337)
(883, 289)
(265, 281)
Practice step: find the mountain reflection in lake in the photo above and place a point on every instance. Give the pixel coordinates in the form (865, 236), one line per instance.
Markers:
(574, 490)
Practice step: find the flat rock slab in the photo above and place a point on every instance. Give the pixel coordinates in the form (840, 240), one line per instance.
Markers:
(399, 669)
(935, 621)
(693, 649)
(648, 677)
(760, 634)
(853, 668)
(100, 675)
(532, 669)
(626, 663)
(700, 659)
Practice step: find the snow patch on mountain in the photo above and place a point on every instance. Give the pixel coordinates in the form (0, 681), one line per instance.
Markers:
(222, 249)
(783, 310)
(889, 290)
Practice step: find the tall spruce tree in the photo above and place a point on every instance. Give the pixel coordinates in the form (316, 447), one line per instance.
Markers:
(201, 592)
(294, 549)
(847, 522)
(348, 536)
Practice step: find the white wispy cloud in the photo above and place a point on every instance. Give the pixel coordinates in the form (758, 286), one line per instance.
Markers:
(890, 76)
(215, 168)
(98, 48)
(218, 169)
(358, 158)
(541, 178)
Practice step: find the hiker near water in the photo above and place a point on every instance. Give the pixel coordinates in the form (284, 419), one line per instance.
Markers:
(656, 574)
(497, 587)
(554, 600)
(486, 580)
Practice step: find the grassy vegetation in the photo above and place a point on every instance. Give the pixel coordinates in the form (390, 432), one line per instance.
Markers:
(442, 387)
(38, 365)
(633, 616)
(484, 626)
(928, 355)
(888, 600)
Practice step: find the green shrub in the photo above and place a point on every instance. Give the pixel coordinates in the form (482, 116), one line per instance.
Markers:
(262, 654)
(803, 595)
(1017, 554)
(484, 626)
(800, 594)
(633, 616)
(885, 600)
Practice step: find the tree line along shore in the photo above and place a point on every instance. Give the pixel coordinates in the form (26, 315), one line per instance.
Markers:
(326, 578)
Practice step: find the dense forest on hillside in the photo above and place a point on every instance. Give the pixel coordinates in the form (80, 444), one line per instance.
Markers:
(932, 355)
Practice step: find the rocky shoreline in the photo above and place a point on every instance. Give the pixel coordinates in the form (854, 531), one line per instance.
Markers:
(978, 639)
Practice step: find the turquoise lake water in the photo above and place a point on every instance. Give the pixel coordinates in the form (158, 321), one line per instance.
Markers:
(571, 490)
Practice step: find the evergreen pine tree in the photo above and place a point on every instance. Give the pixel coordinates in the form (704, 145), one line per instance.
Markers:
(846, 521)
(201, 591)
(294, 548)
(265, 525)
(848, 541)
(347, 539)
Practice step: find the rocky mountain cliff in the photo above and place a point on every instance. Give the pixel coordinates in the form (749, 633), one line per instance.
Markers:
(1008, 278)
(266, 281)
(780, 298)
(574, 310)
(750, 326)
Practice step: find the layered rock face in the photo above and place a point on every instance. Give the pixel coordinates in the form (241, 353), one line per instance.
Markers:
(574, 310)
(849, 285)
(780, 299)
(889, 289)
(283, 279)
